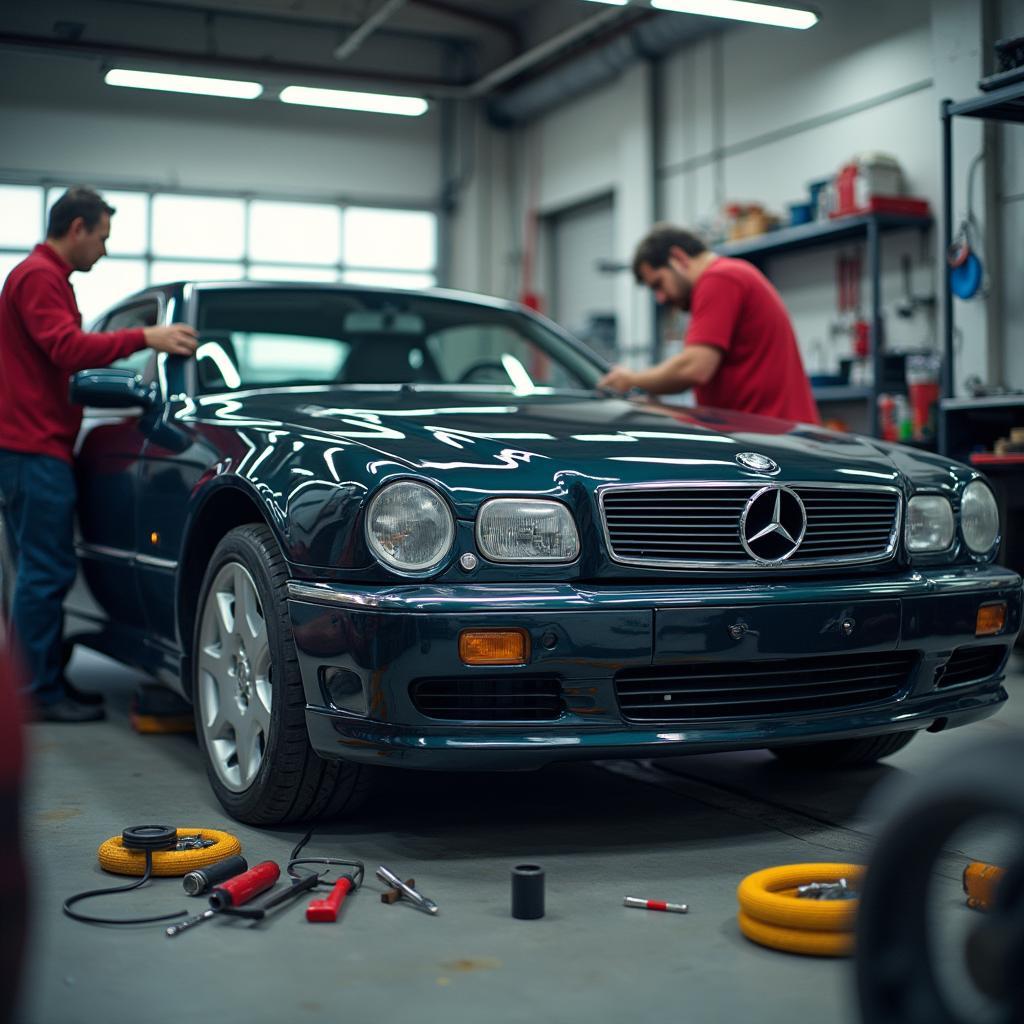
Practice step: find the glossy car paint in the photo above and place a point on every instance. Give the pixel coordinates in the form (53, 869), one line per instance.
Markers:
(306, 460)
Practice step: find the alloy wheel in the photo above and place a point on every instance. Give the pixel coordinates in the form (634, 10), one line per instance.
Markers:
(235, 688)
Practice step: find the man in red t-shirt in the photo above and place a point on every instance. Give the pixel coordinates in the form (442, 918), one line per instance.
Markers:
(740, 350)
(41, 344)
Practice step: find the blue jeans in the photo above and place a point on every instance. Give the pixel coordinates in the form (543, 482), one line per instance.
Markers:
(38, 493)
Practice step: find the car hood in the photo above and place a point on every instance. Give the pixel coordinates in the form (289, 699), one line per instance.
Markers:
(486, 443)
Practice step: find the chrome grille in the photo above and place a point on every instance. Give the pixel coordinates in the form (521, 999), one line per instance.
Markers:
(753, 689)
(699, 525)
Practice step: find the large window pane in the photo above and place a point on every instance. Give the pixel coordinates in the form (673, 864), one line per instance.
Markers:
(277, 272)
(108, 282)
(128, 228)
(391, 239)
(294, 232)
(385, 279)
(165, 271)
(21, 215)
(201, 226)
(8, 261)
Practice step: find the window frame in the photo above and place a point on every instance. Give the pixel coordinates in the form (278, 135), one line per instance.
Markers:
(149, 256)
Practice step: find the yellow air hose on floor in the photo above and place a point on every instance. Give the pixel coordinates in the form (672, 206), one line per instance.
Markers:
(117, 858)
(773, 914)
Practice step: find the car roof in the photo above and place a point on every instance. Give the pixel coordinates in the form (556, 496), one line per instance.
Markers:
(451, 294)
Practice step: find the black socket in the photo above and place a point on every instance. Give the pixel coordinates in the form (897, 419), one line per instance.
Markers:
(528, 892)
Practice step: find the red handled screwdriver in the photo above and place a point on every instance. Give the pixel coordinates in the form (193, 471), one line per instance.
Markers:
(233, 893)
(327, 909)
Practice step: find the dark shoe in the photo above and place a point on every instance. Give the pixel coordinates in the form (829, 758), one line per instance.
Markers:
(86, 697)
(66, 710)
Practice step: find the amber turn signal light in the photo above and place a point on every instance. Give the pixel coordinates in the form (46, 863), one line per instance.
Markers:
(991, 619)
(494, 646)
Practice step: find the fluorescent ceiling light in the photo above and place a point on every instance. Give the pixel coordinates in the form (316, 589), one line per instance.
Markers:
(342, 99)
(183, 83)
(617, 3)
(741, 10)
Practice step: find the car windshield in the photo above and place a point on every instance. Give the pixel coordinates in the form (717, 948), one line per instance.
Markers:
(288, 337)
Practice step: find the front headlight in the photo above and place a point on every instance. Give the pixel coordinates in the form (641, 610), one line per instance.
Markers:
(979, 518)
(525, 530)
(409, 526)
(930, 524)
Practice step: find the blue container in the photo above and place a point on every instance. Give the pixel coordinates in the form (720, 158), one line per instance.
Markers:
(800, 213)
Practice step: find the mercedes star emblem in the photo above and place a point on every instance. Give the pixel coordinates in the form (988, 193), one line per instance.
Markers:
(757, 462)
(773, 524)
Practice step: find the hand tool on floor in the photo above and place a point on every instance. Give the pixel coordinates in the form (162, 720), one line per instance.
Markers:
(394, 895)
(202, 880)
(417, 898)
(642, 904)
(327, 909)
(232, 894)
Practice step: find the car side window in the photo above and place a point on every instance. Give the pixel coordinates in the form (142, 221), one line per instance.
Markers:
(139, 314)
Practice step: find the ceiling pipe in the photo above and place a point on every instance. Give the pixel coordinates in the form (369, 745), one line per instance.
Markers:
(367, 28)
(651, 38)
(543, 51)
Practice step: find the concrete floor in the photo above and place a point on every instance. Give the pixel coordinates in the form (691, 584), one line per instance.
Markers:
(687, 830)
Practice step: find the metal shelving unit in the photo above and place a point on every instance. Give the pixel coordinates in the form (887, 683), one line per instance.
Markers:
(869, 227)
(1006, 104)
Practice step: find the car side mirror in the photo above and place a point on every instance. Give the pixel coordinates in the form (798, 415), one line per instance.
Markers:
(112, 389)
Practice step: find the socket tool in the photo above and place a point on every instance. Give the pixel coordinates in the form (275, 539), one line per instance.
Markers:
(201, 881)
(528, 892)
(411, 894)
(642, 904)
(231, 894)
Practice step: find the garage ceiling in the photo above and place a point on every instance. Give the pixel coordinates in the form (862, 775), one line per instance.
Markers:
(432, 47)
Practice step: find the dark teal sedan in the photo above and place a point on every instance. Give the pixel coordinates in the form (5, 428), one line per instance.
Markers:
(366, 527)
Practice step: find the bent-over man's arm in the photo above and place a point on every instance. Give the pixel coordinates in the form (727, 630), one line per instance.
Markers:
(52, 325)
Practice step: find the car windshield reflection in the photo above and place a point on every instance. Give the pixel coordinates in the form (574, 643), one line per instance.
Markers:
(252, 339)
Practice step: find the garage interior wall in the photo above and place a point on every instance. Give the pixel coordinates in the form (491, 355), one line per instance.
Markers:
(756, 114)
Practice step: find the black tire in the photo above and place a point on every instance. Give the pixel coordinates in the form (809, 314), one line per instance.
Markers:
(843, 753)
(904, 974)
(292, 783)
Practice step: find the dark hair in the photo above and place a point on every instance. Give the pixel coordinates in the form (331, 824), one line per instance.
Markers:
(78, 201)
(653, 248)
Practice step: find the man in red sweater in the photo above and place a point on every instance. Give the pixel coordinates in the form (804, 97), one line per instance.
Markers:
(41, 344)
(740, 350)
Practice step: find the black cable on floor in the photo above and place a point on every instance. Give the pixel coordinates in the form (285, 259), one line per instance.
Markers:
(89, 920)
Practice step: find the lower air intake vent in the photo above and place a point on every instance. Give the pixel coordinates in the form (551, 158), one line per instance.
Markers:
(504, 699)
(971, 665)
(753, 689)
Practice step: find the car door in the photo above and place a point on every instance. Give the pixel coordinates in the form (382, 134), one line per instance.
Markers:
(108, 451)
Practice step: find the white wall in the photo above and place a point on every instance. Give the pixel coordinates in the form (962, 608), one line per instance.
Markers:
(58, 120)
(755, 113)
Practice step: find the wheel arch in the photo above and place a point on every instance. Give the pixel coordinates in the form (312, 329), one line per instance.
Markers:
(222, 510)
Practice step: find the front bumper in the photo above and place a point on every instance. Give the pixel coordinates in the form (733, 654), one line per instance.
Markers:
(385, 639)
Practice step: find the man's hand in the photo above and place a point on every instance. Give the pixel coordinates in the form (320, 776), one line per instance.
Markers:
(175, 339)
(618, 378)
